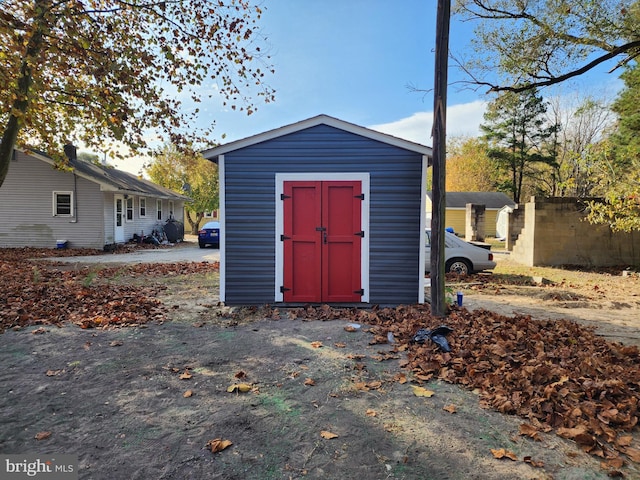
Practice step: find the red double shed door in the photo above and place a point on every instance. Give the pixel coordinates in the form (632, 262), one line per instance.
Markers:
(322, 241)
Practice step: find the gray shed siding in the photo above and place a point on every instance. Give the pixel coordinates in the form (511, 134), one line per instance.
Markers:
(394, 216)
(27, 212)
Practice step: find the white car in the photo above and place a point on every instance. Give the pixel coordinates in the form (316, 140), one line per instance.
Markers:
(460, 257)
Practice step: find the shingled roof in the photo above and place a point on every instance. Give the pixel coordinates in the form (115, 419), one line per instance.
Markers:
(111, 179)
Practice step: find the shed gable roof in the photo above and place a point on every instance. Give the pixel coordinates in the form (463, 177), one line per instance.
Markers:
(492, 200)
(211, 153)
(113, 180)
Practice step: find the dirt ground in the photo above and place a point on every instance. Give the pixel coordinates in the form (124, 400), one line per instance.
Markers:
(145, 402)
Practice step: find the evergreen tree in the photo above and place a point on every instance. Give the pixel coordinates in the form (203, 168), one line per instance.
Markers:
(519, 136)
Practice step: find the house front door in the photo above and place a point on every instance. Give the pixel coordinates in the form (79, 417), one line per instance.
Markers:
(118, 224)
(322, 241)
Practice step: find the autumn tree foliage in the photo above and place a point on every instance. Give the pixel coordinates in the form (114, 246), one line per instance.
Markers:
(618, 166)
(469, 168)
(191, 175)
(531, 44)
(124, 71)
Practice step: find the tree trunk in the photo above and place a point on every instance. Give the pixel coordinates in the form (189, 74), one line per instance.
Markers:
(24, 81)
(194, 224)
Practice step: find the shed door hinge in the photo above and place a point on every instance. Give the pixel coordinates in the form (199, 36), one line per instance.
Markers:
(359, 292)
(359, 234)
(283, 289)
(283, 196)
(361, 196)
(284, 237)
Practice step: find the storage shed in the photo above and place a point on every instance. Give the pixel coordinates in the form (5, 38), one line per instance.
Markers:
(322, 211)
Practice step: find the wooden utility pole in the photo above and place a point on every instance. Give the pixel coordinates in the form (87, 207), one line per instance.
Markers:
(438, 305)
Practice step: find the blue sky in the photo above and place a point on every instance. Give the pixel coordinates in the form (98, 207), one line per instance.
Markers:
(354, 60)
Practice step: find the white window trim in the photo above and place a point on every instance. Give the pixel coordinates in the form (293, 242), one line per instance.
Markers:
(142, 200)
(126, 210)
(55, 203)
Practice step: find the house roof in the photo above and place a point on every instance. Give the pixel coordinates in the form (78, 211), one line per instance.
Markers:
(491, 200)
(211, 153)
(113, 180)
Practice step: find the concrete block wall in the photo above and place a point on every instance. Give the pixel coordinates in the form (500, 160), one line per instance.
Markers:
(556, 233)
(475, 223)
(515, 224)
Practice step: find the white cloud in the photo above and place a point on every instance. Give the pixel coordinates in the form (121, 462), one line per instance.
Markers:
(462, 120)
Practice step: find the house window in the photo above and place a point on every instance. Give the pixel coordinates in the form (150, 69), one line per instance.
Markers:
(208, 214)
(170, 208)
(129, 209)
(159, 209)
(143, 207)
(63, 204)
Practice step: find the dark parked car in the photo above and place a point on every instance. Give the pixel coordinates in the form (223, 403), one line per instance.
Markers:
(209, 234)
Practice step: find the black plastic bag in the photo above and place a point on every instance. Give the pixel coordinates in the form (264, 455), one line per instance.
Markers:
(437, 336)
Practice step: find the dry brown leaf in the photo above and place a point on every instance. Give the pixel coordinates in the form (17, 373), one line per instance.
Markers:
(42, 435)
(217, 444)
(116, 343)
(371, 413)
(529, 431)
(240, 374)
(239, 387)
(533, 463)
(356, 356)
(375, 385)
(187, 394)
(632, 453)
(328, 435)
(185, 375)
(624, 440)
(572, 433)
(316, 344)
(340, 345)
(503, 453)
(421, 392)
(400, 378)
(451, 408)
(309, 382)
(617, 462)
(350, 328)
(53, 373)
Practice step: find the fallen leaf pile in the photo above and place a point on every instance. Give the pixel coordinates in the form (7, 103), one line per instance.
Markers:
(39, 292)
(557, 375)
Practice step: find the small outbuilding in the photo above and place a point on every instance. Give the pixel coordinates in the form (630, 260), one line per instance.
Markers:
(456, 209)
(322, 211)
